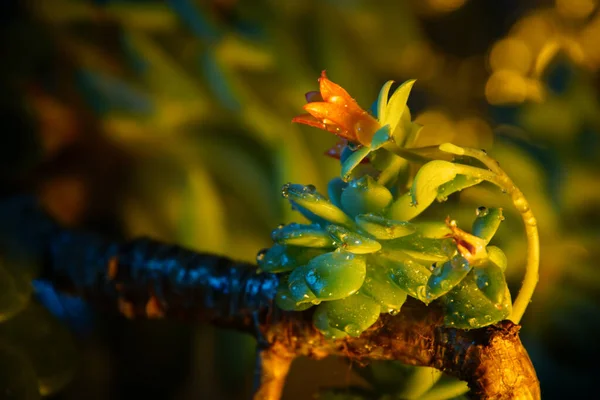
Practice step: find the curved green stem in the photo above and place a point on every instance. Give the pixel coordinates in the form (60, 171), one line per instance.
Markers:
(499, 178)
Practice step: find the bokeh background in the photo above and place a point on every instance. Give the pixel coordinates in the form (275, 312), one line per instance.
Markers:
(172, 119)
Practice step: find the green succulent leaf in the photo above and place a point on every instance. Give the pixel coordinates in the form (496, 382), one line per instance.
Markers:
(491, 281)
(308, 198)
(392, 112)
(487, 222)
(382, 100)
(433, 229)
(297, 286)
(406, 273)
(380, 137)
(364, 196)
(335, 275)
(457, 184)
(446, 276)
(422, 248)
(379, 287)
(353, 161)
(383, 228)
(351, 241)
(351, 315)
(467, 307)
(285, 301)
(279, 258)
(302, 235)
(424, 190)
(335, 188)
(497, 256)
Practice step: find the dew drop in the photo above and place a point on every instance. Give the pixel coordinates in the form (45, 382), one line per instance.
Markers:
(261, 255)
(481, 211)
(393, 312)
(352, 329)
(285, 189)
(473, 322)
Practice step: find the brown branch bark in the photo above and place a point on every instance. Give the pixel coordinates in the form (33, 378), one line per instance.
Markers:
(149, 279)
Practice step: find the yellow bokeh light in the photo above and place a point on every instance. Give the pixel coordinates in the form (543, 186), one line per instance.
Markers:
(506, 87)
(575, 8)
(511, 54)
(535, 30)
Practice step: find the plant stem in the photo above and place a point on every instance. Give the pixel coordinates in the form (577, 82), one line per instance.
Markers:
(503, 181)
(274, 367)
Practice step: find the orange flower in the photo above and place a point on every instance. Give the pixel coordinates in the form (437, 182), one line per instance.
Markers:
(333, 110)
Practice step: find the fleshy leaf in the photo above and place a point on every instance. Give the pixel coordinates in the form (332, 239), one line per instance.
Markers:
(297, 286)
(302, 235)
(351, 241)
(457, 184)
(396, 107)
(379, 286)
(424, 190)
(381, 137)
(467, 307)
(487, 222)
(351, 315)
(433, 229)
(444, 277)
(407, 273)
(308, 198)
(491, 281)
(423, 248)
(335, 189)
(382, 100)
(364, 196)
(497, 256)
(353, 161)
(429, 178)
(285, 301)
(335, 275)
(384, 228)
(281, 258)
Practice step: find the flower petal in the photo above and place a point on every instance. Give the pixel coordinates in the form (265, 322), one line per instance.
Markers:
(310, 120)
(335, 94)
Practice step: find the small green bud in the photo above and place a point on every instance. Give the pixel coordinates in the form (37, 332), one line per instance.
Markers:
(365, 195)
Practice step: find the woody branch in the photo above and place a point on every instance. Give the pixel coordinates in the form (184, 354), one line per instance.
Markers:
(148, 279)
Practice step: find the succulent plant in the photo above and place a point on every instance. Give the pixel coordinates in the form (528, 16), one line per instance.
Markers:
(364, 250)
